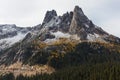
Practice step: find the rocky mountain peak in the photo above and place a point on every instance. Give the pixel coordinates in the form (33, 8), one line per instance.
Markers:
(79, 22)
(49, 15)
(73, 23)
(71, 26)
(78, 10)
(85, 28)
(78, 15)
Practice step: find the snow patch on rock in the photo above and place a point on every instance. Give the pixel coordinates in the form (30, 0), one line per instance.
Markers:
(54, 22)
(60, 34)
(8, 42)
(86, 25)
(95, 37)
(92, 37)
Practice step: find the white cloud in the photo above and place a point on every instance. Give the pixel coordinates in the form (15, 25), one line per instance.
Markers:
(31, 12)
(112, 26)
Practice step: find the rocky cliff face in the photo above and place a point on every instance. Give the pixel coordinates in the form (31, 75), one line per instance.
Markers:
(74, 23)
(84, 28)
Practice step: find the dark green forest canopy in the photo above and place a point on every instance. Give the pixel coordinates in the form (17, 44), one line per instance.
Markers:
(86, 61)
(104, 71)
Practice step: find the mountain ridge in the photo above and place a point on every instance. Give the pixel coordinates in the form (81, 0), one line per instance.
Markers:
(53, 40)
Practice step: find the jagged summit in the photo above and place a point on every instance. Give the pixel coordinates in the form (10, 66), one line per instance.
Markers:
(78, 14)
(74, 23)
(49, 15)
(78, 10)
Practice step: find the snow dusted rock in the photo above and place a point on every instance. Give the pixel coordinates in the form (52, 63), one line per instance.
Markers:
(47, 35)
(7, 31)
(79, 24)
(49, 15)
(71, 25)
(74, 23)
(8, 42)
(59, 34)
(65, 22)
(10, 34)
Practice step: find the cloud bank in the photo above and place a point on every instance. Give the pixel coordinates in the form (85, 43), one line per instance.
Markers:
(104, 13)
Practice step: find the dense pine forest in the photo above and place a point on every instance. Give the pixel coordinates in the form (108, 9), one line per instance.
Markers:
(83, 61)
(104, 71)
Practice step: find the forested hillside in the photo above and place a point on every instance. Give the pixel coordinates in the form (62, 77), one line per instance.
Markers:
(86, 61)
(104, 71)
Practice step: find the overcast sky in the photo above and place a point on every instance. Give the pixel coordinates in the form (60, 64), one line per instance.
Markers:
(104, 13)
